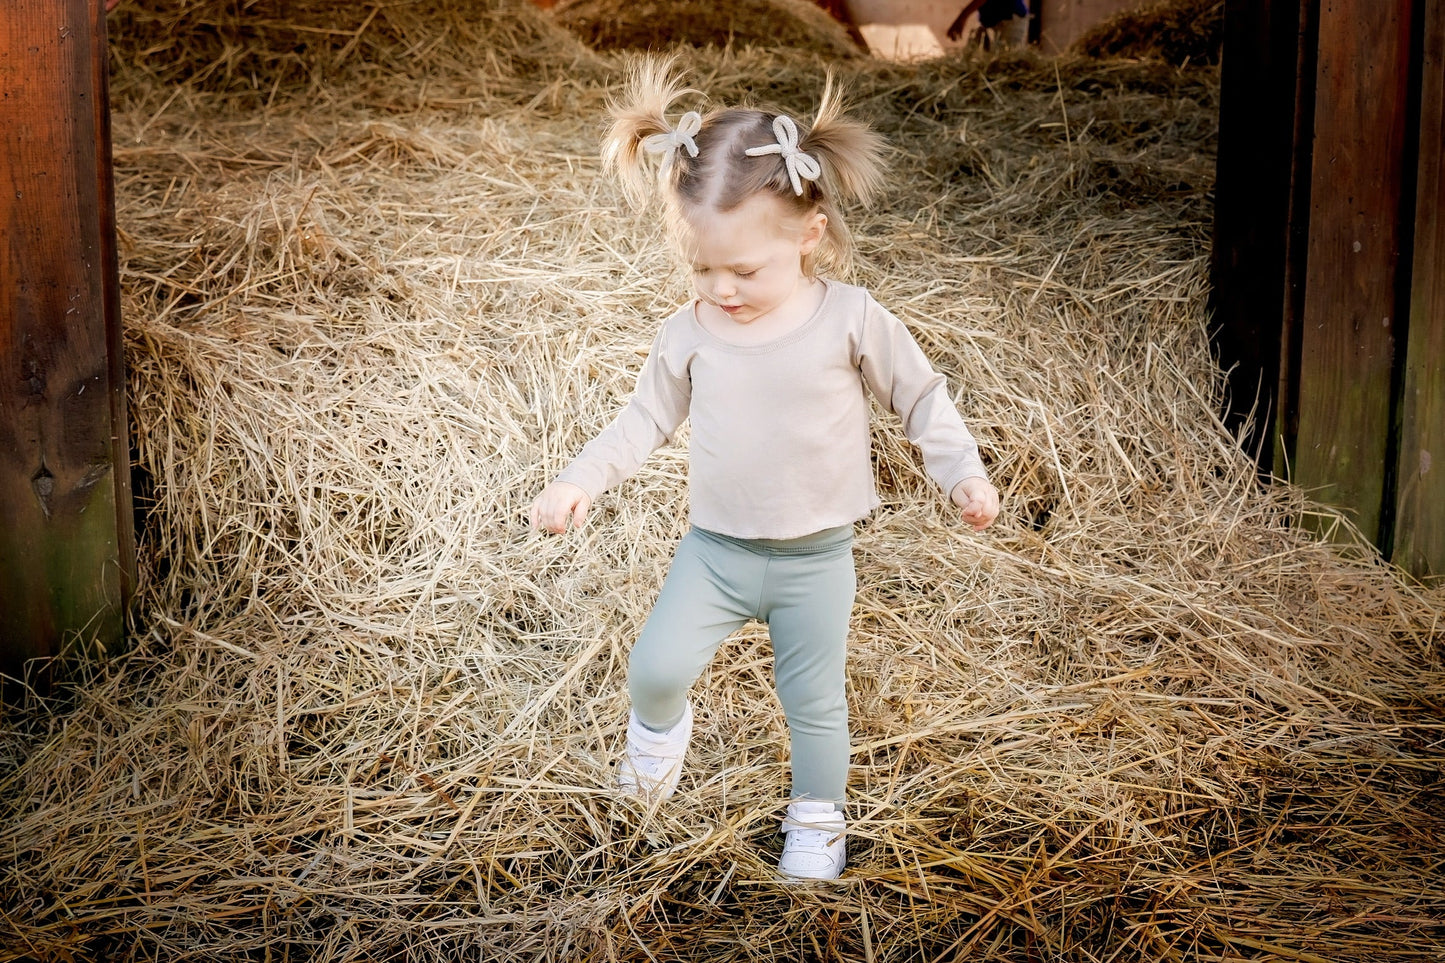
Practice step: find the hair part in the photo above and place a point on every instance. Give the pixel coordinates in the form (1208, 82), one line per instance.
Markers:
(723, 176)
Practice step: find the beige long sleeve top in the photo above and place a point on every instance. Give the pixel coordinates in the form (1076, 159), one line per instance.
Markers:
(780, 442)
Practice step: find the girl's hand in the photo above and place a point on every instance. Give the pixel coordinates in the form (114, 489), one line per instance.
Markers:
(558, 504)
(979, 501)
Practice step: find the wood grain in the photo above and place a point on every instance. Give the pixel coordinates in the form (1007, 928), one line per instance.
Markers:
(1420, 508)
(65, 530)
(1347, 331)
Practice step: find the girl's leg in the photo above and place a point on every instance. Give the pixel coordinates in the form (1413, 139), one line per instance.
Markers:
(702, 602)
(812, 599)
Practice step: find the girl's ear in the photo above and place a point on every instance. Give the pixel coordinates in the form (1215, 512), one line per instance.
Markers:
(814, 229)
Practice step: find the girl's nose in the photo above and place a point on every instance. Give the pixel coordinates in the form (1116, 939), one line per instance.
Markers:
(723, 288)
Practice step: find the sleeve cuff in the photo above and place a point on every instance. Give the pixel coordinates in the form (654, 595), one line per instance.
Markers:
(584, 478)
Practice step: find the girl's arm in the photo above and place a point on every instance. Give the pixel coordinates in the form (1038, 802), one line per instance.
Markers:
(901, 377)
(657, 408)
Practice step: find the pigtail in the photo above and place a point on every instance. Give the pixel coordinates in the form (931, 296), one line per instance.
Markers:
(850, 155)
(641, 113)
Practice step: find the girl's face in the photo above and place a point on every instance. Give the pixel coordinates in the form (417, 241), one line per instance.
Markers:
(748, 262)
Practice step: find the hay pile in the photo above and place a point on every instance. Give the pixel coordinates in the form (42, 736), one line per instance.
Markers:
(377, 293)
(656, 24)
(1175, 31)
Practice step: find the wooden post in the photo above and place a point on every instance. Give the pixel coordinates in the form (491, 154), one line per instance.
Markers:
(66, 529)
(1420, 508)
(1266, 114)
(1347, 332)
(1328, 301)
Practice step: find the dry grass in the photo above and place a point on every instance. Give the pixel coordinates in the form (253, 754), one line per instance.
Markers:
(1175, 31)
(377, 292)
(648, 24)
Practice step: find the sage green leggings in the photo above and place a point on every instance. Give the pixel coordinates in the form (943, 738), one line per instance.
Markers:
(803, 589)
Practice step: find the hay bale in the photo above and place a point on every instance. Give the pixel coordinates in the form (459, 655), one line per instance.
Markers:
(369, 715)
(1175, 31)
(263, 47)
(655, 24)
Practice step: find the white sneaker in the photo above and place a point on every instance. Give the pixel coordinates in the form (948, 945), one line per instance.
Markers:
(815, 847)
(653, 765)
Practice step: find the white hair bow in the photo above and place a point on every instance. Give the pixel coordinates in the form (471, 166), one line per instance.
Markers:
(800, 164)
(680, 136)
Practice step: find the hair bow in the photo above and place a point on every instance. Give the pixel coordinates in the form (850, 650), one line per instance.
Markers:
(800, 164)
(680, 136)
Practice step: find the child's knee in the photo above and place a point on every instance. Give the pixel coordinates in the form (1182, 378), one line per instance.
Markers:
(650, 678)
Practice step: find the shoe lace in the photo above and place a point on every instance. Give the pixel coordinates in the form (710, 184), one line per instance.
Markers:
(817, 840)
(649, 763)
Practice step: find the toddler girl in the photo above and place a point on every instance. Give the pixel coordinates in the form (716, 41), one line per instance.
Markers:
(770, 362)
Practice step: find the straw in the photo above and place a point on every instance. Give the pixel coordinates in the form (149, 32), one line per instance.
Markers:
(654, 24)
(1175, 31)
(377, 292)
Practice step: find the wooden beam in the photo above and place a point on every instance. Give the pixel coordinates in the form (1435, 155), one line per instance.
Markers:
(1347, 331)
(66, 529)
(1420, 508)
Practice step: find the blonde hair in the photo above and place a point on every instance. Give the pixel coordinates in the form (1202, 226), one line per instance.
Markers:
(722, 176)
